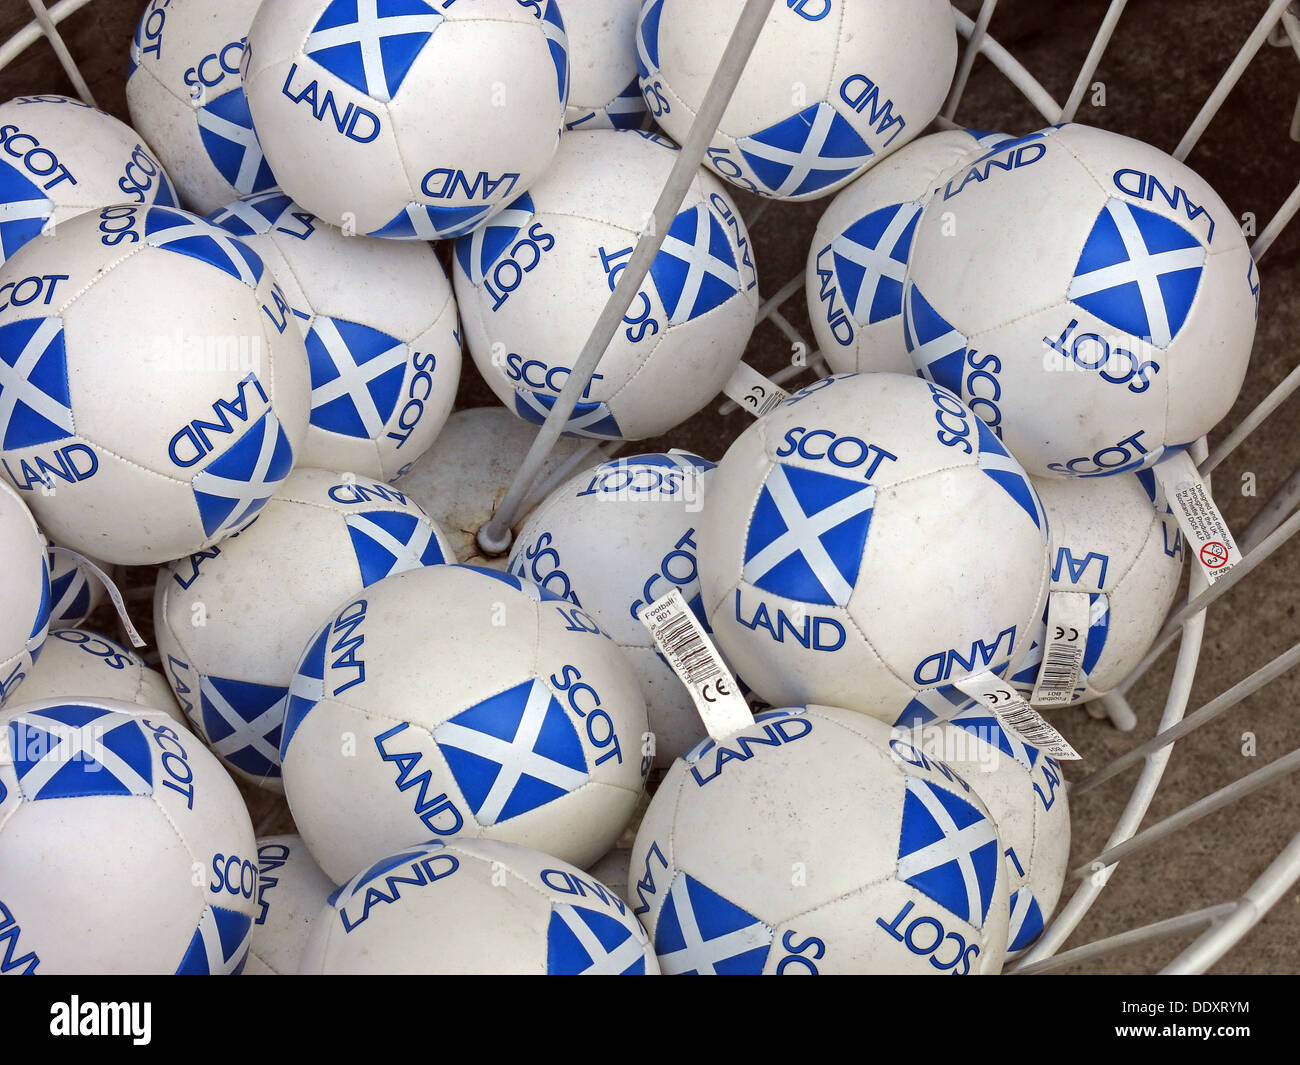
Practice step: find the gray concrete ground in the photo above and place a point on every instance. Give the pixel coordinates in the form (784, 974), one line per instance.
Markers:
(1166, 57)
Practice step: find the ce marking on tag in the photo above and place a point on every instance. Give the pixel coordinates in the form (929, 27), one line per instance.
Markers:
(755, 400)
(998, 696)
(719, 686)
(1060, 634)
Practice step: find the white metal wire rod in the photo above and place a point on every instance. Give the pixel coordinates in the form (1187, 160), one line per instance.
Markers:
(1271, 515)
(773, 303)
(758, 214)
(1230, 78)
(1220, 704)
(1252, 421)
(1010, 68)
(968, 57)
(494, 537)
(1119, 712)
(1202, 807)
(66, 61)
(1159, 930)
(1276, 224)
(1228, 931)
(32, 32)
(1093, 60)
(1068, 916)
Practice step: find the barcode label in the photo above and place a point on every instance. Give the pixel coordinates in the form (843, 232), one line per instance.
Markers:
(119, 604)
(1068, 619)
(753, 392)
(698, 664)
(1204, 529)
(1017, 716)
(683, 645)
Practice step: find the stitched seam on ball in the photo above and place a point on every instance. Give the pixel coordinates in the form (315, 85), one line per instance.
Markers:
(101, 274)
(148, 69)
(1151, 532)
(835, 56)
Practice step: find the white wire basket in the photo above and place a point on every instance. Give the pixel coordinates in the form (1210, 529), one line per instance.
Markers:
(1211, 929)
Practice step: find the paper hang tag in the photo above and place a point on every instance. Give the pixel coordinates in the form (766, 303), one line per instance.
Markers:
(1203, 527)
(1017, 716)
(752, 392)
(1068, 622)
(119, 604)
(698, 664)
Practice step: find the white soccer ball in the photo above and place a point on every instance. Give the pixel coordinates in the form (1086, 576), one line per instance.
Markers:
(412, 119)
(477, 705)
(156, 394)
(186, 95)
(469, 907)
(1024, 791)
(612, 540)
(1118, 547)
(59, 158)
(1090, 297)
(124, 846)
(77, 663)
(25, 600)
(461, 480)
(604, 92)
(858, 257)
(380, 326)
(611, 870)
(870, 541)
(814, 841)
(231, 621)
(291, 889)
(75, 591)
(532, 282)
(831, 88)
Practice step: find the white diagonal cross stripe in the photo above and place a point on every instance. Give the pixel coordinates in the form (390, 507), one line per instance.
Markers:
(251, 161)
(1020, 902)
(353, 376)
(69, 597)
(626, 103)
(369, 32)
(935, 348)
(223, 240)
(809, 158)
(937, 703)
(516, 757)
(424, 227)
(642, 49)
(803, 534)
(956, 845)
(15, 386)
(254, 490)
(603, 962)
(1004, 463)
(78, 741)
(406, 554)
(511, 218)
(246, 211)
(701, 955)
(1143, 269)
(700, 262)
(576, 423)
(554, 33)
(22, 210)
(876, 262)
(1098, 610)
(245, 733)
(211, 940)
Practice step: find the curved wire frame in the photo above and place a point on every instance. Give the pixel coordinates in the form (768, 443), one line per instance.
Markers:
(1222, 925)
